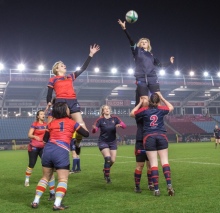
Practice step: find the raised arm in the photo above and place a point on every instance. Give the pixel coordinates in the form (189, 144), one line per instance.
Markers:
(93, 50)
(167, 103)
(166, 64)
(136, 108)
(123, 26)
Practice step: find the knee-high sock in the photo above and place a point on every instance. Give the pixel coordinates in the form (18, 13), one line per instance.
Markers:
(78, 164)
(107, 166)
(137, 177)
(28, 173)
(167, 173)
(149, 178)
(155, 177)
(60, 192)
(40, 189)
(74, 164)
(51, 184)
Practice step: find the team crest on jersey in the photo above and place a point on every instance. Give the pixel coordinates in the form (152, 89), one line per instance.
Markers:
(104, 122)
(113, 121)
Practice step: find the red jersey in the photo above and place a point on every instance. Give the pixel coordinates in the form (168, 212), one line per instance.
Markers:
(39, 130)
(61, 130)
(63, 86)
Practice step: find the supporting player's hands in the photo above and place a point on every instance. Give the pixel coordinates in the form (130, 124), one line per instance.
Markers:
(94, 49)
(118, 125)
(122, 24)
(172, 59)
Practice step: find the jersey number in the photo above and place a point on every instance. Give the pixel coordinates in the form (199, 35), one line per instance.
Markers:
(153, 119)
(61, 126)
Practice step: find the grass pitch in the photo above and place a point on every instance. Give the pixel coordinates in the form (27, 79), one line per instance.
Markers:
(195, 172)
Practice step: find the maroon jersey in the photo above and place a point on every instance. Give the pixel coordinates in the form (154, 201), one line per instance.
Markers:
(39, 130)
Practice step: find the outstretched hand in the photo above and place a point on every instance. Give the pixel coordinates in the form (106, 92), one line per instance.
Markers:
(172, 59)
(122, 24)
(94, 49)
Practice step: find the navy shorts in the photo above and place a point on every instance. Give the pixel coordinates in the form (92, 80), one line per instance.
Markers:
(74, 147)
(55, 157)
(110, 145)
(151, 85)
(71, 103)
(140, 152)
(154, 142)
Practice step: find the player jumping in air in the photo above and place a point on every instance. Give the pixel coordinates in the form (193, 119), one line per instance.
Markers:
(146, 65)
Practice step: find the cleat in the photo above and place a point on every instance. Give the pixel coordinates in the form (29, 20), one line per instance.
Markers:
(156, 192)
(137, 189)
(52, 197)
(108, 180)
(26, 183)
(61, 207)
(151, 187)
(72, 172)
(34, 205)
(170, 190)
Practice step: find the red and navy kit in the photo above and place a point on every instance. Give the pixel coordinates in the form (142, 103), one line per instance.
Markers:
(217, 133)
(39, 130)
(108, 128)
(63, 86)
(61, 131)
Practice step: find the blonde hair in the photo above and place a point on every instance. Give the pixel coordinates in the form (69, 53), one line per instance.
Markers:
(149, 48)
(102, 109)
(55, 66)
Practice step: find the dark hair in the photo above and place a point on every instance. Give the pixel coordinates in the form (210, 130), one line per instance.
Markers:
(37, 114)
(154, 100)
(59, 110)
(53, 100)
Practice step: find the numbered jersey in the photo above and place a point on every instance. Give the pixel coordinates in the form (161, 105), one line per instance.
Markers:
(61, 130)
(152, 119)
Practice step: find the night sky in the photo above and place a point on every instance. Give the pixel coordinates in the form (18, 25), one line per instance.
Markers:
(45, 31)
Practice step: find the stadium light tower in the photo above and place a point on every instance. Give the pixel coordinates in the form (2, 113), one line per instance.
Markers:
(78, 68)
(218, 74)
(1, 66)
(41, 67)
(21, 67)
(96, 69)
(191, 73)
(130, 71)
(162, 72)
(113, 70)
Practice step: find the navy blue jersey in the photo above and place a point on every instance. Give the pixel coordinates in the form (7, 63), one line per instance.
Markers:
(144, 62)
(217, 132)
(107, 128)
(139, 134)
(152, 119)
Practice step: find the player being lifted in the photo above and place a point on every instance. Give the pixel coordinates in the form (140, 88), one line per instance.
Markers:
(146, 65)
(62, 84)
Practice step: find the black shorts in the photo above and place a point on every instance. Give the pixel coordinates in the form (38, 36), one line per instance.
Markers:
(139, 148)
(156, 141)
(71, 103)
